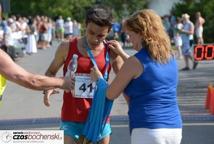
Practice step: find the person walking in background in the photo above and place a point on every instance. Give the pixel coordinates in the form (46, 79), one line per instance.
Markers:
(177, 37)
(76, 29)
(186, 33)
(116, 27)
(149, 79)
(50, 31)
(88, 48)
(166, 23)
(199, 28)
(60, 28)
(31, 46)
(68, 26)
(43, 42)
(7, 36)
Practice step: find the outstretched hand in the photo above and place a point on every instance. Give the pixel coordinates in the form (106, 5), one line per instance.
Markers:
(47, 94)
(68, 83)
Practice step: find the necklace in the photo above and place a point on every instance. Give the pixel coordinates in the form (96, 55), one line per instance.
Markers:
(91, 56)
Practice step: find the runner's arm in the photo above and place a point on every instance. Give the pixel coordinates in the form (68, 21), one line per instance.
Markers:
(55, 65)
(58, 60)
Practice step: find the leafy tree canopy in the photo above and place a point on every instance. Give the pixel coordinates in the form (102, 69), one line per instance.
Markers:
(73, 8)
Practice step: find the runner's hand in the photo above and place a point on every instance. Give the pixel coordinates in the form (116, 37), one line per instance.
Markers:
(95, 74)
(47, 94)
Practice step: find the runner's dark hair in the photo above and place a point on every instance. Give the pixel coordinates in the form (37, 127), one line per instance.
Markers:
(100, 15)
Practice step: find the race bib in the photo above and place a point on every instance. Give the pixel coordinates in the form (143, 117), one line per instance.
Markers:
(84, 87)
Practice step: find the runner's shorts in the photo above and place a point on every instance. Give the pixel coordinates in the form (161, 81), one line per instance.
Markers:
(75, 130)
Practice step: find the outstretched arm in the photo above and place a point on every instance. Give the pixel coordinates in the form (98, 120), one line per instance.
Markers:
(17, 74)
(55, 65)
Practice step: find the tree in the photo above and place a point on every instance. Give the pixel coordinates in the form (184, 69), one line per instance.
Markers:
(52, 8)
(123, 8)
(73, 8)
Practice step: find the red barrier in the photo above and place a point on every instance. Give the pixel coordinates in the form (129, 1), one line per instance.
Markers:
(211, 110)
(208, 98)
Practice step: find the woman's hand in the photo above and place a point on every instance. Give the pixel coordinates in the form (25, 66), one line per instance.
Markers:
(95, 74)
(115, 46)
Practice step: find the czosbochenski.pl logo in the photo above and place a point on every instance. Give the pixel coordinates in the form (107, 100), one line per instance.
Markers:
(6, 137)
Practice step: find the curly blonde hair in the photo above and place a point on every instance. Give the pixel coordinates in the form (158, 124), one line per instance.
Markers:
(154, 37)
